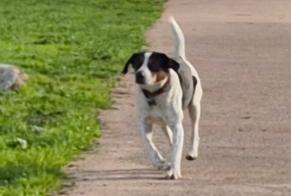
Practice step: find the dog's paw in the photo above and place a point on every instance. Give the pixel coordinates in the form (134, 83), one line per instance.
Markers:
(163, 165)
(191, 156)
(173, 175)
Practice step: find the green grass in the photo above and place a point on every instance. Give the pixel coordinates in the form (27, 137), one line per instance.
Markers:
(71, 49)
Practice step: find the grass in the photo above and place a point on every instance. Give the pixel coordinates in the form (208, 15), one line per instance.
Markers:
(71, 49)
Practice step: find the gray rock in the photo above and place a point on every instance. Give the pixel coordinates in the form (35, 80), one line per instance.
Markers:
(11, 78)
(22, 142)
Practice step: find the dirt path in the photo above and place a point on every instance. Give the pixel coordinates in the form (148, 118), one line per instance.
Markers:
(242, 51)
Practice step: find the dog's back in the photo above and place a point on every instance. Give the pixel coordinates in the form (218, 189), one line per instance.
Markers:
(187, 74)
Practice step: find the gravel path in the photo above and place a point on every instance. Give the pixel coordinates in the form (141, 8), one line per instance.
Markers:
(242, 50)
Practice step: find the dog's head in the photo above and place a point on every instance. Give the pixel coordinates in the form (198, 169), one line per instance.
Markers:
(150, 67)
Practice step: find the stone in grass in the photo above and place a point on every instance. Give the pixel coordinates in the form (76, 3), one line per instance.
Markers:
(18, 143)
(22, 143)
(11, 78)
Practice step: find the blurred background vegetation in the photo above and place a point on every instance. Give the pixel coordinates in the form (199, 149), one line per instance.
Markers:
(71, 50)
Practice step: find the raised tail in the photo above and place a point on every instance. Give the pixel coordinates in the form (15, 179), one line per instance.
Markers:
(180, 40)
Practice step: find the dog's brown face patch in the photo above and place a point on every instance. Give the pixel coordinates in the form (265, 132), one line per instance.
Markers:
(160, 75)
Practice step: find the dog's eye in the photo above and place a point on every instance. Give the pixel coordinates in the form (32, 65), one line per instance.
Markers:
(154, 67)
(137, 63)
(136, 66)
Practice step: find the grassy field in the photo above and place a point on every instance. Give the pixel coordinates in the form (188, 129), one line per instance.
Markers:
(71, 49)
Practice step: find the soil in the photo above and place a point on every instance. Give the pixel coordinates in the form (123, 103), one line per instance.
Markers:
(241, 50)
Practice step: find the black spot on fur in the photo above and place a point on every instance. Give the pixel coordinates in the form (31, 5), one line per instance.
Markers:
(194, 84)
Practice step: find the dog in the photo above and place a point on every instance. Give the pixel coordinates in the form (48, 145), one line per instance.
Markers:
(166, 87)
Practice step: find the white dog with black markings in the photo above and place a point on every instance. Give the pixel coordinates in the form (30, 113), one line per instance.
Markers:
(166, 87)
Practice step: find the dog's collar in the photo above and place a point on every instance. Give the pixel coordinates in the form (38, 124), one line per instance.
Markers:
(151, 95)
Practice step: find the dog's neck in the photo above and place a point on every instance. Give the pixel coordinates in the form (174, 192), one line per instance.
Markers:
(151, 94)
(156, 86)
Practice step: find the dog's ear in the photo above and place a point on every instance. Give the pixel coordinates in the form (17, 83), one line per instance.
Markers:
(164, 61)
(173, 64)
(133, 60)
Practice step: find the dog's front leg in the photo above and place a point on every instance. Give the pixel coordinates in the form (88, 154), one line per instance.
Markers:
(177, 148)
(156, 158)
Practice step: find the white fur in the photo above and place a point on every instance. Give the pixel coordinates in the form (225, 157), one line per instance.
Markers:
(195, 106)
(168, 112)
(145, 70)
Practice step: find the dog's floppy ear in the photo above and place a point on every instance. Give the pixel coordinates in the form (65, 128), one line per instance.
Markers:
(131, 61)
(173, 64)
(165, 61)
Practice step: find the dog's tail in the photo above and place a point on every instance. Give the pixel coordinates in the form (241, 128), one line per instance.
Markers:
(180, 40)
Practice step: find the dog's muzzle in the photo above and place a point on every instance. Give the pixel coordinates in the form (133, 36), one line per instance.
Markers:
(139, 78)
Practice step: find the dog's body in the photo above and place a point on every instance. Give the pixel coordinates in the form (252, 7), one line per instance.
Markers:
(165, 88)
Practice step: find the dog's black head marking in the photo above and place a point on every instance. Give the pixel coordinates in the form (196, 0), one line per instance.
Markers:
(157, 61)
(160, 61)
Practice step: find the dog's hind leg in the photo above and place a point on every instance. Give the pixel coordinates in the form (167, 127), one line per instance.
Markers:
(156, 158)
(194, 113)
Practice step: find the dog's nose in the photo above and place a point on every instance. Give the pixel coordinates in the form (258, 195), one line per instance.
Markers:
(139, 77)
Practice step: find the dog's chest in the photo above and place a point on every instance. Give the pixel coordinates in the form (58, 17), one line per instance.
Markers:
(161, 112)
(156, 114)
(157, 110)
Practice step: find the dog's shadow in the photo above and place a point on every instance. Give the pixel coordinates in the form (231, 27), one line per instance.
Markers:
(119, 174)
